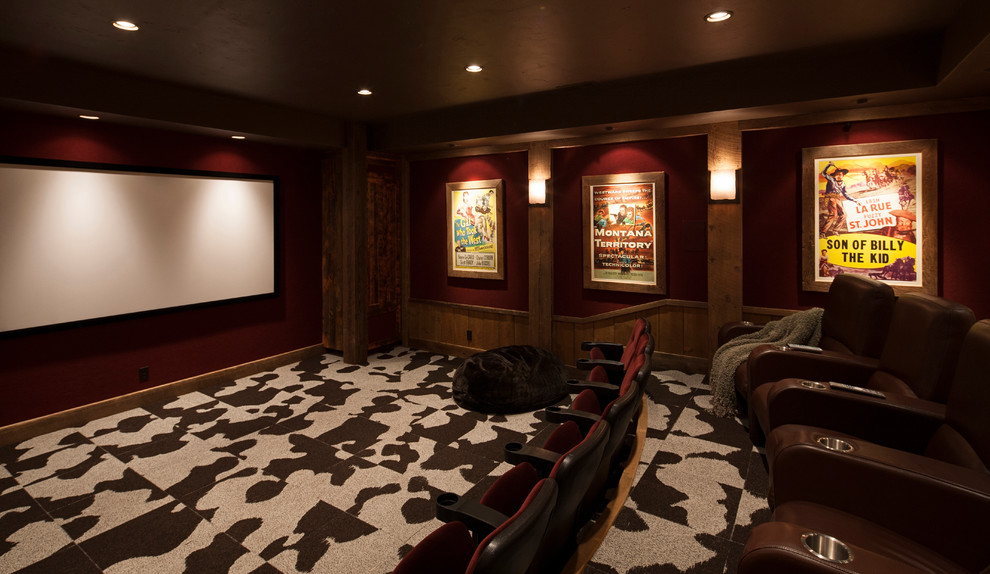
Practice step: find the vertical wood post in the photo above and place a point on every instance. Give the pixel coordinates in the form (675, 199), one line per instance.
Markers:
(354, 244)
(724, 235)
(333, 332)
(541, 252)
(405, 235)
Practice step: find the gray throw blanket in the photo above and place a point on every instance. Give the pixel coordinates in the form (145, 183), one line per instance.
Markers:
(803, 327)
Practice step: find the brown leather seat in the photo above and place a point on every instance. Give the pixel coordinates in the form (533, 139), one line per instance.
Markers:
(922, 506)
(855, 321)
(918, 360)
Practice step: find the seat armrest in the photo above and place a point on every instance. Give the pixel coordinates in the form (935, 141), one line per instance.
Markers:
(934, 503)
(480, 519)
(584, 420)
(614, 369)
(771, 363)
(734, 329)
(896, 421)
(776, 548)
(543, 460)
(606, 392)
(612, 351)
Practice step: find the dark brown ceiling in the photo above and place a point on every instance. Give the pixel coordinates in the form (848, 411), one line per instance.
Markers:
(290, 69)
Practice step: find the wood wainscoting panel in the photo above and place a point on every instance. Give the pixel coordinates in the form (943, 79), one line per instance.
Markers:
(564, 345)
(669, 330)
(443, 327)
(763, 315)
(696, 340)
(679, 327)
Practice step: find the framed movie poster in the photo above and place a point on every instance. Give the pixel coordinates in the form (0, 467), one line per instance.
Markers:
(871, 209)
(475, 229)
(624, 239)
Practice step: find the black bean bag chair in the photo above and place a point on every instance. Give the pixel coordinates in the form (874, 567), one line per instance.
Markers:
(512, 379)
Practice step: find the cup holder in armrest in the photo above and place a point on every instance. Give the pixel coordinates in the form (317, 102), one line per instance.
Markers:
(836, 444)
(813, 385)
(447, 499)
(447, 507)
(513, 452)
(827, 547)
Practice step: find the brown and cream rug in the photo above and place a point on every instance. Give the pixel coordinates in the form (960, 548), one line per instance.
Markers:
(328, 467)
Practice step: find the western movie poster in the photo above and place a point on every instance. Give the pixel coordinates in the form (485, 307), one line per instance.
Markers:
(474, 216)
(622, 247)
(869, 217)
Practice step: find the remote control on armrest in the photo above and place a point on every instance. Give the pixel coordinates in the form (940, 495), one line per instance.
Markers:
(805, 348)
(854, 389)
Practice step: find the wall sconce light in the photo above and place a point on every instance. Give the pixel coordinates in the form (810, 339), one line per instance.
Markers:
(726, 186)
(537, 192)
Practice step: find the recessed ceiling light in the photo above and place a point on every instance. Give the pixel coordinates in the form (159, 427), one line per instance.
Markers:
(86, 117)
(364, 92)
(474, 68)
(237, 137)
(718, 16)
(125, 25)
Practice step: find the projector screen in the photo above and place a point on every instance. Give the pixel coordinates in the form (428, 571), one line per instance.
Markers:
(88, 241)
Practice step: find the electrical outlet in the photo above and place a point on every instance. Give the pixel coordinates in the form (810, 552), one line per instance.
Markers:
(143, 374)
(469, 334)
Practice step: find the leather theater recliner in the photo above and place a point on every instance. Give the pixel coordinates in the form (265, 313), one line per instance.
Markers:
(856, 315)
(922, 507)
(918, 360)
(507, 529)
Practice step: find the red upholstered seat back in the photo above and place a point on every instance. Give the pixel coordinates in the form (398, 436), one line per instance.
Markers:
(565, 437)
(447, 550)
(598, 375)
(587, 401)
(512, 546)
(632, 371)
(636, 342)
(507, 494)
(594, 436)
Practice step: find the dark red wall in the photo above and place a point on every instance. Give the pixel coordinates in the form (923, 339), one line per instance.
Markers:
(428, 231)
(685, 162)
(772, 206)
(53, 370)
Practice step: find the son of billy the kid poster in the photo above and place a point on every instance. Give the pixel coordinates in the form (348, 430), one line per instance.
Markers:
(622, 236)
(869, 215)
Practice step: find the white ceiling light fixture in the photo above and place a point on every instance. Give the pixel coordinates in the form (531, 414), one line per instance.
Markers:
(474, 68)
(718, 16)
(88, 117)
(364, 92)
(125, 25)
(238, 137)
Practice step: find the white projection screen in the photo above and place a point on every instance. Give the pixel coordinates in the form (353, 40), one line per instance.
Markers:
(79, 243)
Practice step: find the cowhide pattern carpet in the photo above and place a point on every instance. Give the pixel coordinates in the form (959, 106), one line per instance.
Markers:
(327, 467)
